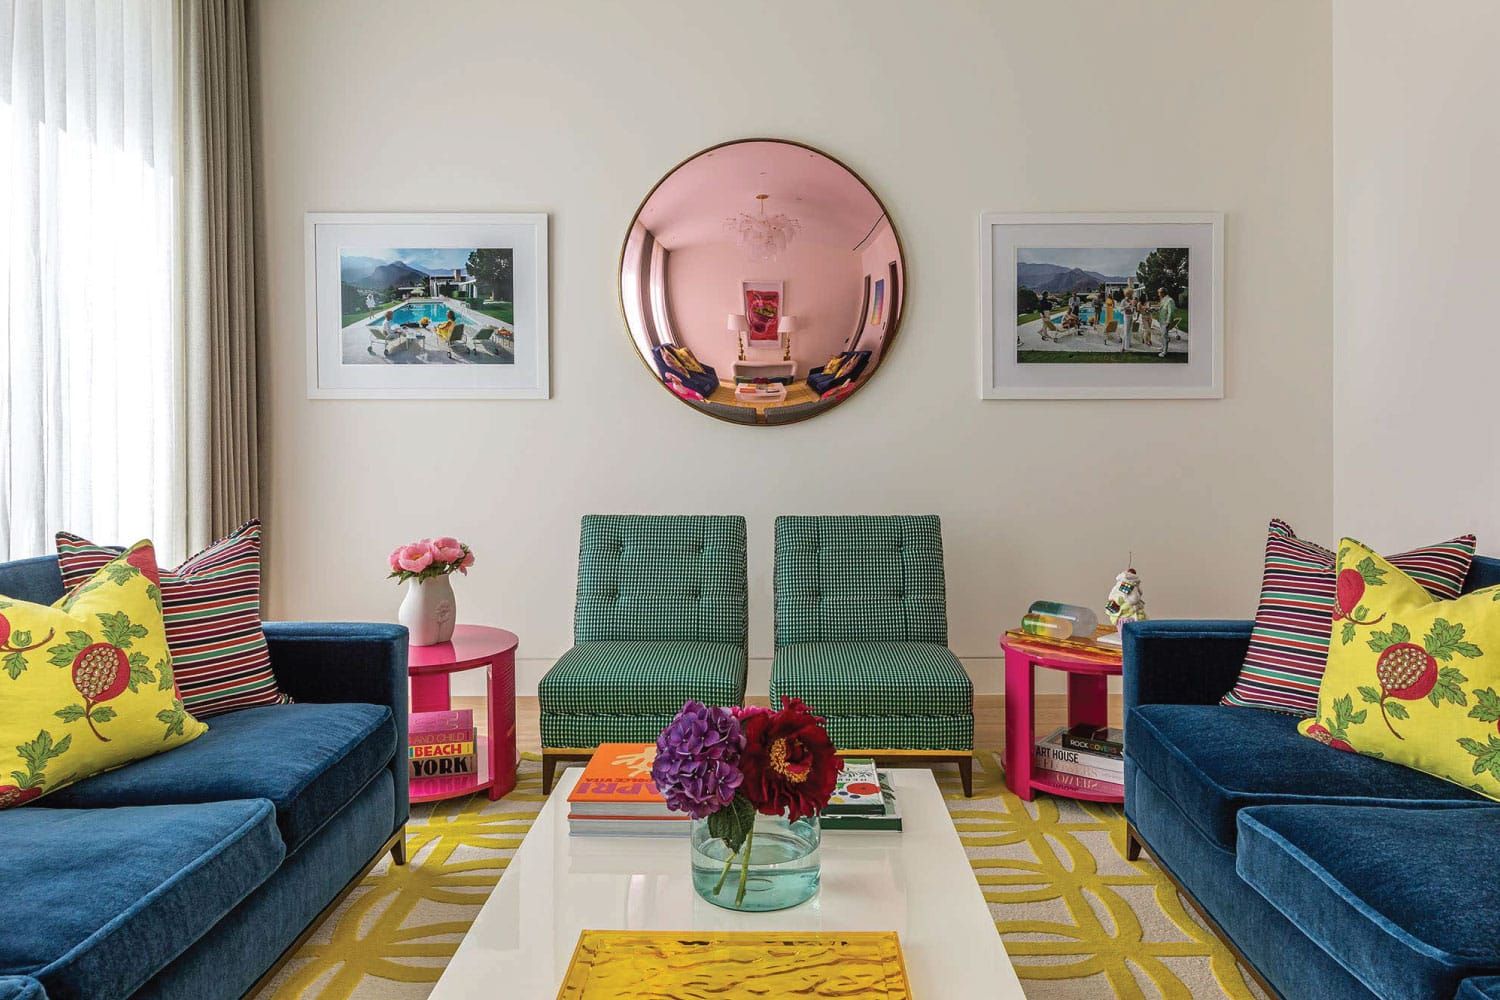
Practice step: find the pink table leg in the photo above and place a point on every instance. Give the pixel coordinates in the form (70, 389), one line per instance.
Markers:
(429, 693)
(1088, 700)
(1019, 689)
(502, 724)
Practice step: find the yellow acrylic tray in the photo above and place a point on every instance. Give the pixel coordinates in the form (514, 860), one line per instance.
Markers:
(636, 965)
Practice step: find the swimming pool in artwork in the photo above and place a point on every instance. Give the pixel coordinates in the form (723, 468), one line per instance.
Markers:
(433, 312)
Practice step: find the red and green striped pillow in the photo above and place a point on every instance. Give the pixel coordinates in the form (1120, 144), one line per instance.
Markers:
(1294, 622)
(211, 604)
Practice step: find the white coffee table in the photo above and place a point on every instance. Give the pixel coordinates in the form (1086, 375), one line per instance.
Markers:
(917, 882)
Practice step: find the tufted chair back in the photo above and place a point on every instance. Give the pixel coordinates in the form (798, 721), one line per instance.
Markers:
(860, 578)
(661, 577)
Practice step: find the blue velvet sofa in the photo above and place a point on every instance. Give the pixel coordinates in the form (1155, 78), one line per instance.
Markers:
(193, 873)
(1330, 874)
(820, 382)
(703, 383)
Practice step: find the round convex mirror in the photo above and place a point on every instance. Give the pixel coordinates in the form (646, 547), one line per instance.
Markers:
(762, 281)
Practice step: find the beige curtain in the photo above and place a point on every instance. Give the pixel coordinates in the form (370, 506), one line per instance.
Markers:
(217, 239)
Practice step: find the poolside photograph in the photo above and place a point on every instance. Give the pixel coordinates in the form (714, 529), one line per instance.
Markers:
(427, 306)
(1102, 305)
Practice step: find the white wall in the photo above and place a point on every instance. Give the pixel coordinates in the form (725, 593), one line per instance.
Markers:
(954, 108)
(1416, 227)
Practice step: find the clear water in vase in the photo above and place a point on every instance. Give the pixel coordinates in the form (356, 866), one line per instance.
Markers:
(784, 865)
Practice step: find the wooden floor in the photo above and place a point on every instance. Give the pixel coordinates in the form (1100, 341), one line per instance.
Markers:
(989, 717)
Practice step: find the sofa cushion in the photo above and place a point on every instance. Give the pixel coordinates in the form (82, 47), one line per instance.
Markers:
(308, 759)
(99, 899)
(643, 678)
(873, 678)
(1214, 761)
(1402, 898)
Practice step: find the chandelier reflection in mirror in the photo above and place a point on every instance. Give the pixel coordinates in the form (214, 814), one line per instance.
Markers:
(762, 282)
(763, 237)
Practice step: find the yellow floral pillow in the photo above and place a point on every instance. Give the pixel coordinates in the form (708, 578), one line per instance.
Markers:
(86, 684)
(1412, 679)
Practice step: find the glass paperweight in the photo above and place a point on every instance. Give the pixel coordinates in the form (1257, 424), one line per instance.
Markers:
(1081, 621)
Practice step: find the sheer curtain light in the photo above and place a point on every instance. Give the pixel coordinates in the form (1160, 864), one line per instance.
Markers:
(91, 411)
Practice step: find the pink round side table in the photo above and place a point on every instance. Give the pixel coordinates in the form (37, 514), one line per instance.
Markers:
(473, 647)
(1088, 703)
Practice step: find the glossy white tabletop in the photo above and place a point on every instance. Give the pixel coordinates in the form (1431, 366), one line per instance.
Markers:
(917, 882)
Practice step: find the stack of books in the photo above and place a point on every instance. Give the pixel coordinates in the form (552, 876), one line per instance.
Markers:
(863, 799)
(441, 744)
(1082, 755)
(616, 796)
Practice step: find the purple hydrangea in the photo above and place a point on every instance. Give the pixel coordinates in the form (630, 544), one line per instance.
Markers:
(697, 767)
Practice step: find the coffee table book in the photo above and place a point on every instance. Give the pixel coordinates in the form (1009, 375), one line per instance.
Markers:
(650, 965)
(616, 795)
(888, 819)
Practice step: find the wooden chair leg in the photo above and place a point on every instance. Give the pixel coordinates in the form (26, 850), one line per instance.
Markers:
(1132, 845)
(549, 772)
(398, 849)
(966, 775)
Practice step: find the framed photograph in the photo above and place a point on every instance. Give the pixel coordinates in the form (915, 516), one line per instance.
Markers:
(1102, 306)
(878, 303)
(763, 310)
(426, 306)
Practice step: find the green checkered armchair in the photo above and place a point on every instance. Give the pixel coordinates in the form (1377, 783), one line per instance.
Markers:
(660, 619)
(862, 637)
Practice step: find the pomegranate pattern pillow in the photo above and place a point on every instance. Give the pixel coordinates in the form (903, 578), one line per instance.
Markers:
(1411, 679)
(86, 684)
(1300, 603)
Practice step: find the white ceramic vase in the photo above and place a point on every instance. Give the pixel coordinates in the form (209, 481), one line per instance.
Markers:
(429, 611)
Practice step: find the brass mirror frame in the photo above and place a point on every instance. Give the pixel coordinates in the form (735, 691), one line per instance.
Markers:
(901, 297)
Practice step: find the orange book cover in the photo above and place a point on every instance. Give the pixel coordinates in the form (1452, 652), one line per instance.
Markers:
(618, 773)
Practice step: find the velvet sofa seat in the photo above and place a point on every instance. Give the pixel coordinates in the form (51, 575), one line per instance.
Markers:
(97, 900)
(20, 988)
(1215, 760)
(308, 760)
(1406, 899)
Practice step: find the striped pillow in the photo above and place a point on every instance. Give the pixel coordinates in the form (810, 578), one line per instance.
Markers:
(212, 609)
(1294, 622)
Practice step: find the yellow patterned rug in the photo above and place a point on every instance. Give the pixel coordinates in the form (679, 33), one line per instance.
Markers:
(1077, 919)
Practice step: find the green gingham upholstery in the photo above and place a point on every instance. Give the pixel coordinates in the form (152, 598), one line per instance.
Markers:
(860, 578)
(862, 632)
(660, 619)
(873, 678)
(622, 677)
(661, 577)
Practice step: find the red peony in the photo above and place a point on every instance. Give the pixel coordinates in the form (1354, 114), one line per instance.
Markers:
(789, 762)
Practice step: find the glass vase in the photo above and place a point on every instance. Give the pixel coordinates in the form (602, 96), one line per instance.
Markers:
(783, 869)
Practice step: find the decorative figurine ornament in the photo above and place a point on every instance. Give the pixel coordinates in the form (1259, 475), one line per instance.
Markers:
(1126, 601)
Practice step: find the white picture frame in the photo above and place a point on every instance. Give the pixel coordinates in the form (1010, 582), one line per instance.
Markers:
(1009, 370)
(501, 350)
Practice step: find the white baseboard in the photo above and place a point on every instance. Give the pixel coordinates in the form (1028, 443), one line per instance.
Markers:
(985, 672)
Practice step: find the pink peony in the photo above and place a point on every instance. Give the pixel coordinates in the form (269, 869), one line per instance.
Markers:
(396, 558)
(466, 562)
(414, 558)
(447, 550)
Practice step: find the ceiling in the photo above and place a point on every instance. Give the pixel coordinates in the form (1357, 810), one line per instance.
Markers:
(689, 207)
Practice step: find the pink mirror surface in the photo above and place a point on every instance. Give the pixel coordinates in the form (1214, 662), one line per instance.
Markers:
(762, 282)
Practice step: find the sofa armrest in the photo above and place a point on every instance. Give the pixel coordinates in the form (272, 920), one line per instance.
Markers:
(341, 662)
(1479, 988)
(1182, 662)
